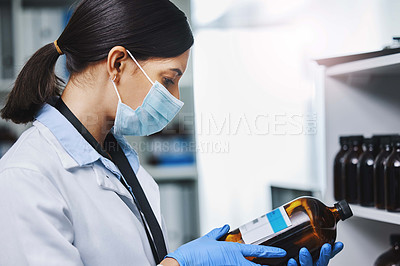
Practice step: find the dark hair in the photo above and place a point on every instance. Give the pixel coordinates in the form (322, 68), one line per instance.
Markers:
(147, 28)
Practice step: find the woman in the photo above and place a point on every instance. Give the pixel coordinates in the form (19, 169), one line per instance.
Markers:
(72, 191)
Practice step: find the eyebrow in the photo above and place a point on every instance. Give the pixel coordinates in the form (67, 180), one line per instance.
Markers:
(177, 70)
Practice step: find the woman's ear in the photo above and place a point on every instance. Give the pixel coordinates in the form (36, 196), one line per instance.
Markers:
(116, 60)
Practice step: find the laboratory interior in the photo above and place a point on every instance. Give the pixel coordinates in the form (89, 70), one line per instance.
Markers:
(283, 99)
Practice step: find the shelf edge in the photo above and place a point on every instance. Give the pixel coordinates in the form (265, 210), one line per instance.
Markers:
(371, 213)
(363, 65)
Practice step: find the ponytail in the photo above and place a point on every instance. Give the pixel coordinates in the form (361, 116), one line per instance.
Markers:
(35, 84)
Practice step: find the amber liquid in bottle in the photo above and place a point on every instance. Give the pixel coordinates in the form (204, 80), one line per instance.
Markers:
(308, 223)
(338, 168)
(392, 178)
(392, 256)
(379, 172)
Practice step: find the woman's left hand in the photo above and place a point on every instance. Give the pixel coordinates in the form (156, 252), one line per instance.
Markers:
(325, 255)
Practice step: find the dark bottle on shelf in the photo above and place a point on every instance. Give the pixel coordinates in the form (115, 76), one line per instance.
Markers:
(303, 222)
(392, 256)
(365, 172)
(377, 148)
(338, 168)
(392, 177)
(350, 187)
(379, 171)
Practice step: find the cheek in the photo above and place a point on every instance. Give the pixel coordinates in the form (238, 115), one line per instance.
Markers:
(134, 91)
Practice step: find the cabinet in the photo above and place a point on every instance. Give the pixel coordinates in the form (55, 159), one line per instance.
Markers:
(361, 96)
(25, 26)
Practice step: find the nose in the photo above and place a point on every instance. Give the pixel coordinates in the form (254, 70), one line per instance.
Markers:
(176, 93)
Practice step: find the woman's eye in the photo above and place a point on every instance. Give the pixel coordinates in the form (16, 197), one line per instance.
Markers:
(168, 81)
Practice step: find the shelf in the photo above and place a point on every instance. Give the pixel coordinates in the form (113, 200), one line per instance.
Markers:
(172, 173)
(388, 65)
(359, 96)
(374, 214)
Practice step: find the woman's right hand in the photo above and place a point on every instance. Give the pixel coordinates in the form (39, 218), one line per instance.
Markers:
(207, 250)
(327, 252)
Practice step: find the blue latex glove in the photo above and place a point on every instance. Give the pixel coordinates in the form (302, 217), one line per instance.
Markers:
(325, 255)
(208, 251)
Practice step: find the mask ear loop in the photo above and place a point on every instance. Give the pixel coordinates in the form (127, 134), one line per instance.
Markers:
(115, 87)
(152, 83)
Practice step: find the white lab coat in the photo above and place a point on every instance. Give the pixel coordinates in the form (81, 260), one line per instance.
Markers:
(54, 212)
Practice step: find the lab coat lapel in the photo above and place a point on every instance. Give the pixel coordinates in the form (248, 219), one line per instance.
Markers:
(110, 182)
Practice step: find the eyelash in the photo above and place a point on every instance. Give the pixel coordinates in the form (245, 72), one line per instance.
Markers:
(168, 81)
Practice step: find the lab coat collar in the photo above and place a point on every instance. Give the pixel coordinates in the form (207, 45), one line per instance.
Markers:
(107, 183)
(74, 144)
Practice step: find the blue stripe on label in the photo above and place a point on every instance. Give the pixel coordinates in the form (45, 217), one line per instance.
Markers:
(276, 220)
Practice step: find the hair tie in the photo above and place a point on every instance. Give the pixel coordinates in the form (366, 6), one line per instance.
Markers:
(58, 48)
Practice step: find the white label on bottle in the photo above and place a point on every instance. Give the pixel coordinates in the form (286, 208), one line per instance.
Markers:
(266, 225)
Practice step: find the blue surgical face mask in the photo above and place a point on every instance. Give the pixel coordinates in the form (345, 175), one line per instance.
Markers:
(159, 107)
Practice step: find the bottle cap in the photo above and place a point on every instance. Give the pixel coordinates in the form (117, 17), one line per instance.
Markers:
(395, 140)
(385, 140)
(369, 141)
(356, 140)
(343, 140)
(379, 137)
(394, 239)
(343, 209)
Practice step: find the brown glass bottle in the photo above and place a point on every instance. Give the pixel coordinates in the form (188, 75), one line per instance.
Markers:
(379, 171)
(392, 177)
(303, 222)
(350, 187)
(338, 168)
(376, 139)
(365, 172)
(392, 256)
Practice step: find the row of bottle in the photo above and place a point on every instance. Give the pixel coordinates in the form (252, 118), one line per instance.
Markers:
(367, 171)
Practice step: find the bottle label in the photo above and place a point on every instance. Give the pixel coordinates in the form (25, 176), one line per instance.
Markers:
(259, 229)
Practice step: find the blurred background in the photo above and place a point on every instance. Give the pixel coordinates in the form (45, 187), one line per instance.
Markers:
(252, 134)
